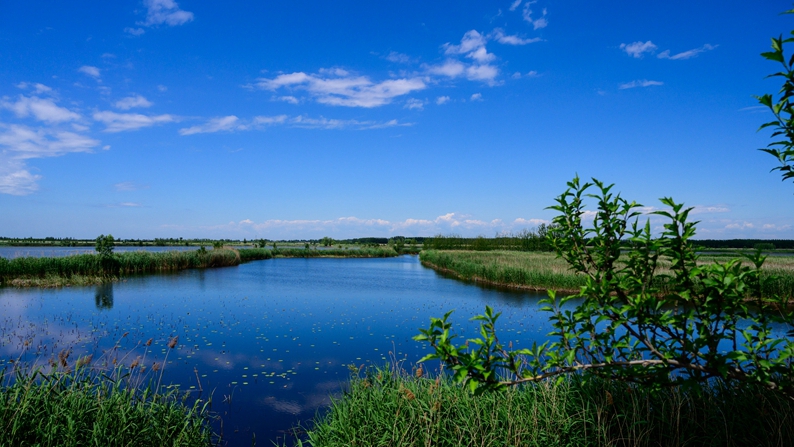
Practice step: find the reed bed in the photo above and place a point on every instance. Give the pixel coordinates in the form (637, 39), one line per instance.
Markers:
(526, 270)
(544, 271)
(251, 254)
(84, 407)
(120, 264)
(386, 408)
(89, 269)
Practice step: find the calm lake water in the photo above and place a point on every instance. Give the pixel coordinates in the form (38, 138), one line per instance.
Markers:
(270, 340)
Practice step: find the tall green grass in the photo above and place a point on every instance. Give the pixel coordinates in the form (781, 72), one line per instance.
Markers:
(250, 254)
(86, 408)
(92, 269)
(534, 270)
(121, 264)
(384, 408)
(531, 270)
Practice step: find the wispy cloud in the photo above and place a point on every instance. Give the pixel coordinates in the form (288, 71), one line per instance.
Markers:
(472, 45)
(515, 5)
(527, 14)
(160, 12)
(90, 71)
(501, 37)
(288, 98)
(134, 31)
(476, 97)
(41, 109)
(129, 186)
(339, 88)
(132, 101)
(119, 122)
(442, 100)
(37, 88)
(233, 123)
(19, 143)
(414, 104)
(226, 123)
(637, 49)
(450, 223)
(685, 54)
(639, 83)
(399, 58)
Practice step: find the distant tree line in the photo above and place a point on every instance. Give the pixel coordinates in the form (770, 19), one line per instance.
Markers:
(763, 244)
(524, 240)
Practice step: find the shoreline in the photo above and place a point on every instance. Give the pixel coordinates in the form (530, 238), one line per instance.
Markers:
(51, 273)
(487, 282)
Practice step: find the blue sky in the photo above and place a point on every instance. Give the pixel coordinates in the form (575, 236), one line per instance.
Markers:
(350, 119)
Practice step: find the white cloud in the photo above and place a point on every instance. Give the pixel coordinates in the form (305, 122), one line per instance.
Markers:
(167, 12)
(289, 99)
(325, 123)
(353, 226)
(162, 88)
(398, 58)
(702, 209)
(536, 23)
(515, 5)
(15, 179)
(472, 46)
(41, 109)
(37, 88)
(639, 83)
(133, 101)
(134, 31)
(414, 103)
(90, 71)
(450, 68)
(129, 186)
(19, 143)
(269, 120)
(501, 37)
(118, 122)
(476, 97)
(686, 54)
(339, 88)
(226, 123)
(740, 226)
(233, 123)
(637, 49)
(486, 73)
(442, 100)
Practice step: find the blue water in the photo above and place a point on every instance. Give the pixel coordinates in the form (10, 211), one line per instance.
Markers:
(270, 340)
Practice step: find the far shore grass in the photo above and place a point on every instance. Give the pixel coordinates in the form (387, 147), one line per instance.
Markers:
(91, 269)
(543, 271)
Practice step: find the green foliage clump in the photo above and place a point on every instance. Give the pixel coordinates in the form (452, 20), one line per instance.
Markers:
(390, 407)
(694, 324)
(81, 408)
(782, 109)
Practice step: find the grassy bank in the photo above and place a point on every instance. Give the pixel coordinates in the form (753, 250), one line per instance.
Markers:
(252, 254)
(91, 409)
(525, 270)
(544, 271)
(384, 408)
(90, 269)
